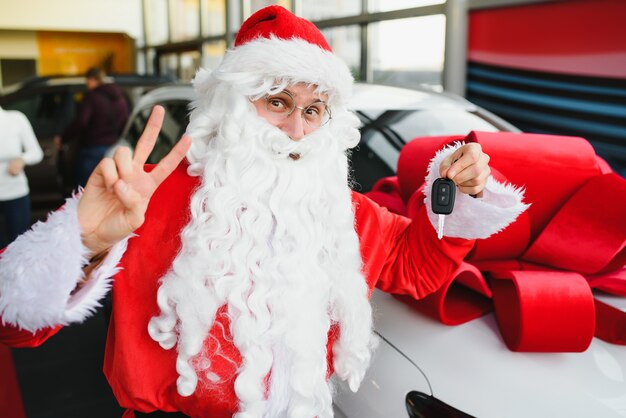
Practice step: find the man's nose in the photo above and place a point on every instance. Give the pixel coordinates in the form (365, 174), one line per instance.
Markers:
(294, 126)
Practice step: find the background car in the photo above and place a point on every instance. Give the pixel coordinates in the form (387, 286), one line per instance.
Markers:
(50, 104)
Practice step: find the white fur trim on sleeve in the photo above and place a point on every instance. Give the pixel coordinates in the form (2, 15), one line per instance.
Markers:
(474, 218)
(42, 267)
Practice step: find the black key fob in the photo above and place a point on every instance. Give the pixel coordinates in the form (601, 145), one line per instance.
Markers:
(442, 196)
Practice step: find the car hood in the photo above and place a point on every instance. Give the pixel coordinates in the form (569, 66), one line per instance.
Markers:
(470, 368)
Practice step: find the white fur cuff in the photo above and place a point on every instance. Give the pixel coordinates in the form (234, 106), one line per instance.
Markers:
(41, 268)
(474, 218)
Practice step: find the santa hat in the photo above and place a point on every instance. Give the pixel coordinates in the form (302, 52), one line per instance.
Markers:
(275, 43)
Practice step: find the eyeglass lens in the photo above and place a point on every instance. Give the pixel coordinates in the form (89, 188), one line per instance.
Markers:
(283, 105)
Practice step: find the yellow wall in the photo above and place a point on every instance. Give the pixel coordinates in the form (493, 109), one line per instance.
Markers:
(72, 53)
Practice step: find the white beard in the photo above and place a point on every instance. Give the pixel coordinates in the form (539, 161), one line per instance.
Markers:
(273, 239)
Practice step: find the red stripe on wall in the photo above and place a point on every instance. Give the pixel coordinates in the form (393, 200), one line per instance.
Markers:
(584, 37)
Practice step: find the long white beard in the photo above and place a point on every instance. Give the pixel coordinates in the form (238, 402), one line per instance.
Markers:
(272, 239)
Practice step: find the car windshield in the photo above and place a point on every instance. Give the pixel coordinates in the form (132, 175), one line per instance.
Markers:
(405, 125)
(385, 132)
(174, 124)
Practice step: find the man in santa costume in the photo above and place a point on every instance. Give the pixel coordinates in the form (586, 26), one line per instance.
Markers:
(241, 275)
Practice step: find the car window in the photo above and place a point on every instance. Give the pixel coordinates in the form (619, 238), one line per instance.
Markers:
(48, 112)
(404, 125)
(440, 122)
(174, 125)
(385, 132)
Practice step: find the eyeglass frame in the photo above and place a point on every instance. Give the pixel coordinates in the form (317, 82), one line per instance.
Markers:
(288, 93)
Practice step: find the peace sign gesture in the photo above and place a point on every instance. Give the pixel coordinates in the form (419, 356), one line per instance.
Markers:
(117, 193)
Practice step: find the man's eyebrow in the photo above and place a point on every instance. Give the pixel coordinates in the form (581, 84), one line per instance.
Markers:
(294, 95)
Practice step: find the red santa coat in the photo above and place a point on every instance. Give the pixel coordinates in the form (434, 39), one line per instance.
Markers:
(399, 256)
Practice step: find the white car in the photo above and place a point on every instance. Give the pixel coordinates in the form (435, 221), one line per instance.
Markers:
(439, 371)
(422, 368)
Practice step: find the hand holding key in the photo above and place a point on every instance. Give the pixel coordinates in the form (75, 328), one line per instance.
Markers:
(468, 169)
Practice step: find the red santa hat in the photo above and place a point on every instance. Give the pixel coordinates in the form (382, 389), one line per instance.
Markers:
(275, 43)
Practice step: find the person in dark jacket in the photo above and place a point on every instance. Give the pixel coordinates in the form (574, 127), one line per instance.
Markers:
(99, 121)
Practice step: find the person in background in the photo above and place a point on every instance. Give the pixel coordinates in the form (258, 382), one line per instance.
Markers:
(242, 262)
(97, 125)
(18, 148)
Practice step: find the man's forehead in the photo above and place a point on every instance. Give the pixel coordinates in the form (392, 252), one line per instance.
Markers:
(304, 91)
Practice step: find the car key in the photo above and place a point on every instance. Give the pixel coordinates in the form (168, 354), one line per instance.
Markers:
(442, 200)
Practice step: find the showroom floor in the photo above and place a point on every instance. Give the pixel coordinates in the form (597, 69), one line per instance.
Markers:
(64, 378)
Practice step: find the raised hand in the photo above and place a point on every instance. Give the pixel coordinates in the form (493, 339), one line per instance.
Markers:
(117, 193)
(468, 168)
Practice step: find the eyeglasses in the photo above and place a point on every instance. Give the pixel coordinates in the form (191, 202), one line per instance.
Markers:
(282, 105)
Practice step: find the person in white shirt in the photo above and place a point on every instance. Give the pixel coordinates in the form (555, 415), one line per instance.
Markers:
(18, 148)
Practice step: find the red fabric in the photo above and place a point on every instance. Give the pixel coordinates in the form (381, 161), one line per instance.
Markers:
(612, 324)
(535, 314)
(572, 239)
(19, 338)
(386, 193)
(11, 403)
(464, 297)
(599, 203)
(279, 22)
(388, 244)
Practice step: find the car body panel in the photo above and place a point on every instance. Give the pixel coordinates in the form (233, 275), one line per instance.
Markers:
(470, 368)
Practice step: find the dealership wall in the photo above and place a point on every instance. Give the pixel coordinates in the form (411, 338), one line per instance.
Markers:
(41, 37)
(122, 16)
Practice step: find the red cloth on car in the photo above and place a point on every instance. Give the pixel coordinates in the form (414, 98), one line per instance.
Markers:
(538, 273)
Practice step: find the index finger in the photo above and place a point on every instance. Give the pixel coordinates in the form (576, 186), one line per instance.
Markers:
(465, 157)
(171, 160)
(146, 142)
(448, 162)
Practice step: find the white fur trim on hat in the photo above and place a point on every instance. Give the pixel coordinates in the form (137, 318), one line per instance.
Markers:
(294, 59)
(475, 218)
(42, 267)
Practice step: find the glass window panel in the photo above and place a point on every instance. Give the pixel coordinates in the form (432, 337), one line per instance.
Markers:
(326, 9)
(408, 52)
(168, 64)
(212, 54)
(387, 5)
(189, 62)
(150, 56)
(156, 21)
(213, 21)
(141, 63)
(251, 6)
(346, 44)
(185, 19)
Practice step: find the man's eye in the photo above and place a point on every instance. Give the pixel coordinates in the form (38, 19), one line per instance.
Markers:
(312, 111)
(277, 104)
